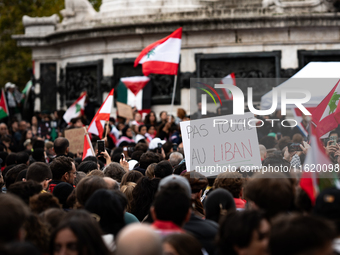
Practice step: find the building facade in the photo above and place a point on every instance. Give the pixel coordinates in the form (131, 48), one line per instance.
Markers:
(252, 38)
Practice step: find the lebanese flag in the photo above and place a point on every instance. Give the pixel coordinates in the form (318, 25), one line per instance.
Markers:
(161, 57)
(298, 117)
(76, 109)
(87, 149)
(3, 106)
(316, 156)
(326, 116)
(229, 79)
(135, 91)
(103, 115)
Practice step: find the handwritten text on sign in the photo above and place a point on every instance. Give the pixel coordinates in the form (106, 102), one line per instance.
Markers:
(208, 146)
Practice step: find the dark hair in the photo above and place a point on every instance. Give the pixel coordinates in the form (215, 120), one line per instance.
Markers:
(218, 203)
(163, 169)
(141, 204)
(62, 191)
(87, 166)
(233, 182)
(136, 155)
(13, 214)
(115, 171)
(87, 231)
(13, 173)
(237, 230)
(60, 166)
(268, 141)
(60, 145)
(90, 158)
(172, 204)
(131, 176)
(39, 172)
(270, 192)
(3, 156)
(21, 175)
(107, 205)
(299, 234)
(11, 159)
(43, 201)
(22, 157)
(147, 159)
(52, 217)
(38, 154)
(141, 147)
(25, 190)
(140, 127)
(22, 248)
(184, 244)
(87, 186)
(147, 118)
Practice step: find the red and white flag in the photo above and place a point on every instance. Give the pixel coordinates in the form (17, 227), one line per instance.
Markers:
(135, 83)
(162, 57)
(229, 79)
(326, 116)
(3, 106)
(298, 117)
(316, 157)
(103, 115)
(76, 109)
(88, 149)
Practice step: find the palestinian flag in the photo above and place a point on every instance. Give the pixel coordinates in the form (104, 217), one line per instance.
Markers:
(135, 91)
(76, 109)
(3, 106)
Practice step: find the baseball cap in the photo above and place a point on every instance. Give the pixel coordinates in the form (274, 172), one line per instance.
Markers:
(327, 204)
(154, 143)
(176, 179)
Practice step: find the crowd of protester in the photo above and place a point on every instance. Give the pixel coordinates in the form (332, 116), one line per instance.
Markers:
(138, 198)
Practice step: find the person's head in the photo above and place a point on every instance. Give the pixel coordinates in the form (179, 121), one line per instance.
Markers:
(79, 177)
(43, 201)
(96, 172)
(142, 129)
(181, 244)
(151, 130)
(198, 182)
(127, 131)
(61, 146)
(77, 122)
(12, 174)
(245, 232)
(218, 204)
(272, 193)
(111, 183)
(39, 172)
(140, 205)
(52, 217)
(87, 166)
(62, 191)
(25, 190)
(181, 113)
(263, 151)
(131, 176)
(13, 214)
(233, 182)
(127, 191)
(114, 171)
(138, 117)
(268, 141)
(87, 186)
(138, 239)
(301, 234)
(22, 158)
(63, 169)
(163, 169)
(22, 126)
(171, 204)
(107, 205)
(150, 171)
(78, 235)
(175, 158)
(163, 115)
(147, 159)
(3, 129)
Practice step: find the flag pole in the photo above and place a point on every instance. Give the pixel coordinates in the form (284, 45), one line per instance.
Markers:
(173, 97)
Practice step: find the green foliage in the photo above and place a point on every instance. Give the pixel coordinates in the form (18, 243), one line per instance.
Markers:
(15, 61)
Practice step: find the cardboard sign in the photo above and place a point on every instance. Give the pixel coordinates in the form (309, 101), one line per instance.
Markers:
(75, 137)
(211, 147)
(124, 110)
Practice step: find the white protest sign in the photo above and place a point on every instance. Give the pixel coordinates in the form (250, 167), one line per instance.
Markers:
(212, 148)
